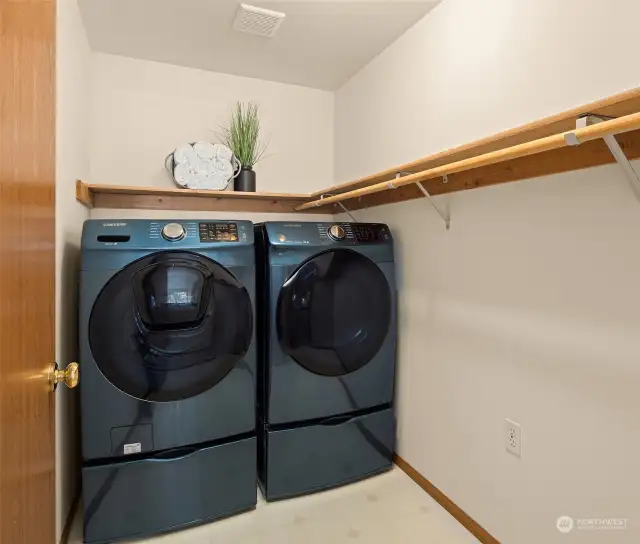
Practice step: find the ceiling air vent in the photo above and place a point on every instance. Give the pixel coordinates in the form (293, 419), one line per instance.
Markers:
(259, 21)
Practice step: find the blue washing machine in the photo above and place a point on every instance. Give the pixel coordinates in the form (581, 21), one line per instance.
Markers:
(327, 353)
(168, 363)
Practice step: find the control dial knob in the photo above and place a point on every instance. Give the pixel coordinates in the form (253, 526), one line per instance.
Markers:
(173, 232)
(336, 232)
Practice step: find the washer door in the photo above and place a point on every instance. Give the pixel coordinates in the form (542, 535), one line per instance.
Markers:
(170, 326)
(334, 312)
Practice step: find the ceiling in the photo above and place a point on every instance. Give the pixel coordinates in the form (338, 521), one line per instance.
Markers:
(320, 43)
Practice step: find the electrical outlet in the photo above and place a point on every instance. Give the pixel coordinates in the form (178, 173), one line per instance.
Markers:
(513, 437)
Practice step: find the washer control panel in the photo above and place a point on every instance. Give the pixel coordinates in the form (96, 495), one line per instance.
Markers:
(167, 234)
(218, 232)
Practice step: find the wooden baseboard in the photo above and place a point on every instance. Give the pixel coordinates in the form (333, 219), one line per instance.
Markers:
(64, 539)
(458, 513)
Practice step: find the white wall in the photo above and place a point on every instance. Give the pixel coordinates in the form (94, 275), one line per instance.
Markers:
(528, 307)
(473, 68)
(72, 162)
(141, 110)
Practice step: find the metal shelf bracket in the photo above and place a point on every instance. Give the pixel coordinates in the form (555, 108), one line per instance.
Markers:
(444, 214)
(614, 147)
(344, 208)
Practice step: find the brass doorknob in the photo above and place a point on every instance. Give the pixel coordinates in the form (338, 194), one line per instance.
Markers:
(70, 376)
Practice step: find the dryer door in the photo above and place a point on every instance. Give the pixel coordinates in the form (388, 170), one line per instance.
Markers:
(334, 312)
(170, 326)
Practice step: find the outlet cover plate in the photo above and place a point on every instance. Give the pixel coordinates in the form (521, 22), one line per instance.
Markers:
(513, 437)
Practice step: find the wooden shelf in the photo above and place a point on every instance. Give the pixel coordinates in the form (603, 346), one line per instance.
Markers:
(152, 198)
(537, 149)
(563, 159)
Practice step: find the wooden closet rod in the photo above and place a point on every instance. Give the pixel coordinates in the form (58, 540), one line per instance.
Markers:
(626, 123)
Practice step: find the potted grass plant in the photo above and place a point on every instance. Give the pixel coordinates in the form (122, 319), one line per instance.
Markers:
(242, 136)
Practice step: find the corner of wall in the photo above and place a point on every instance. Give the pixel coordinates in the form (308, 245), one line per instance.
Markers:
(72, 162)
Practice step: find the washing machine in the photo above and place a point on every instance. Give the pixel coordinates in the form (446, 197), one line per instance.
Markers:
(327, 353)
(168, 363)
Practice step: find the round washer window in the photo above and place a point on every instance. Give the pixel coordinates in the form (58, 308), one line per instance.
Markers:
(170, 326)
(334, 312)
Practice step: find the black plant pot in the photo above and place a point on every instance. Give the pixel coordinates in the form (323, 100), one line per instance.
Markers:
(246, 180)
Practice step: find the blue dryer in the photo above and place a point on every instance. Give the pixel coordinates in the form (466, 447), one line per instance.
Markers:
(168, 362)
(327, 354)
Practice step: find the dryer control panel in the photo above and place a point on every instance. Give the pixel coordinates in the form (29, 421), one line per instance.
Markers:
(323, 234)
(371, 233)
(354, 232)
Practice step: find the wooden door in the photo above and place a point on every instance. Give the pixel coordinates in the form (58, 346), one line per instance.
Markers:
(27, 271)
